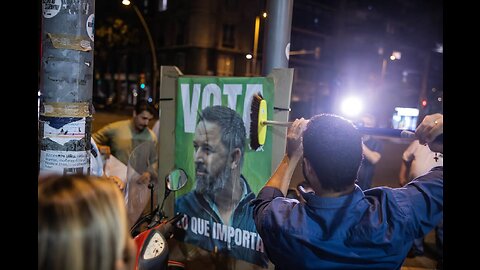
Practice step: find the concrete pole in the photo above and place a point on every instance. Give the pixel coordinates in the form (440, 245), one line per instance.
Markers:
(277, 42)
(66, 82)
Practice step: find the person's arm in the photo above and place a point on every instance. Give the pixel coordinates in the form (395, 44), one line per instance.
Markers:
(283, 174)
(407, 158)
(102, 139)
(279, 182)
(422, 201)
(429, 129)
(105, 151)
(117, 181)
(403, 175)
(271, 210)
(371, 155)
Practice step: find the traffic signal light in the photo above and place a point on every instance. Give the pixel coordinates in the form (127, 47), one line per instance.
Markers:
(142, 80)
(424, 102)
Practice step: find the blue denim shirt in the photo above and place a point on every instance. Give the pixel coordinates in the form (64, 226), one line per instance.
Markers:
(373, 229)
(206, 229)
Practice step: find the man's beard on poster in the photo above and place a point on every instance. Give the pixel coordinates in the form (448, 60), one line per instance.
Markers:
(208, 184)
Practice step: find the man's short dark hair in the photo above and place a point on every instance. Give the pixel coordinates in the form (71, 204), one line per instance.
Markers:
(143, 105)
(333, 146)
(231, 126)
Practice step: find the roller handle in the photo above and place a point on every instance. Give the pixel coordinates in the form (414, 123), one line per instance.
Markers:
(388, 132)
(276, 123)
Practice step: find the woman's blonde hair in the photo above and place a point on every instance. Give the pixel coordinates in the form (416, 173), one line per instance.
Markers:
(82, 224)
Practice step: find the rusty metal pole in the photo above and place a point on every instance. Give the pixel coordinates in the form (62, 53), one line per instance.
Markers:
(66, 83)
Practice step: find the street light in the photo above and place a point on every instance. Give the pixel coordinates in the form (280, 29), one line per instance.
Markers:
(152, 46)
(396, 55)
(255, 42)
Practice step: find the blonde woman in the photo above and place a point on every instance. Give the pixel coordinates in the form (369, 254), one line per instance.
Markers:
(82, 225)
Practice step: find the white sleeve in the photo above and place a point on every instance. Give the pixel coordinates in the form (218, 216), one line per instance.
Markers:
(96, 162)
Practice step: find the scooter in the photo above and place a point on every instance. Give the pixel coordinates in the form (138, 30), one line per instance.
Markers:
(150, 231)
(152, 247)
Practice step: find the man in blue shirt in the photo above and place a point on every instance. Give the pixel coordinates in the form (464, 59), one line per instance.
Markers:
(339, 226)
(372, 149)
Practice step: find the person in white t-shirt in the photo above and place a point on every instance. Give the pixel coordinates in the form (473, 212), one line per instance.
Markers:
(418, 159)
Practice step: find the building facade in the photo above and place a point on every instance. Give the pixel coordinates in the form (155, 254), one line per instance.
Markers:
(337, 48)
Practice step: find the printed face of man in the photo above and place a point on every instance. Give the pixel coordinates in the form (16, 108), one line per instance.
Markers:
(210, 157)
(141, 120)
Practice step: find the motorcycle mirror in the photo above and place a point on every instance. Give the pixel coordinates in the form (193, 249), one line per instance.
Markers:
(175, 180)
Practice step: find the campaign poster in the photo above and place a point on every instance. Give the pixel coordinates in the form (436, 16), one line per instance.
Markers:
(205, 223)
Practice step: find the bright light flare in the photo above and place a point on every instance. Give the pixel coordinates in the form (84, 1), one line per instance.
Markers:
(126, 2)
(352, 106)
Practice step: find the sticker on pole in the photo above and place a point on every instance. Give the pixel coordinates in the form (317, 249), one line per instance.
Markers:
(64, 141)
(51, 8)
(90, 25)
(287, 51)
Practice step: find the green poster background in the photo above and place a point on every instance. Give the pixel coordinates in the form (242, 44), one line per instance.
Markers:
(257, 164)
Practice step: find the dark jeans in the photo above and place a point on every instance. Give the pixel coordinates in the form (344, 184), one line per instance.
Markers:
(417, 246)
